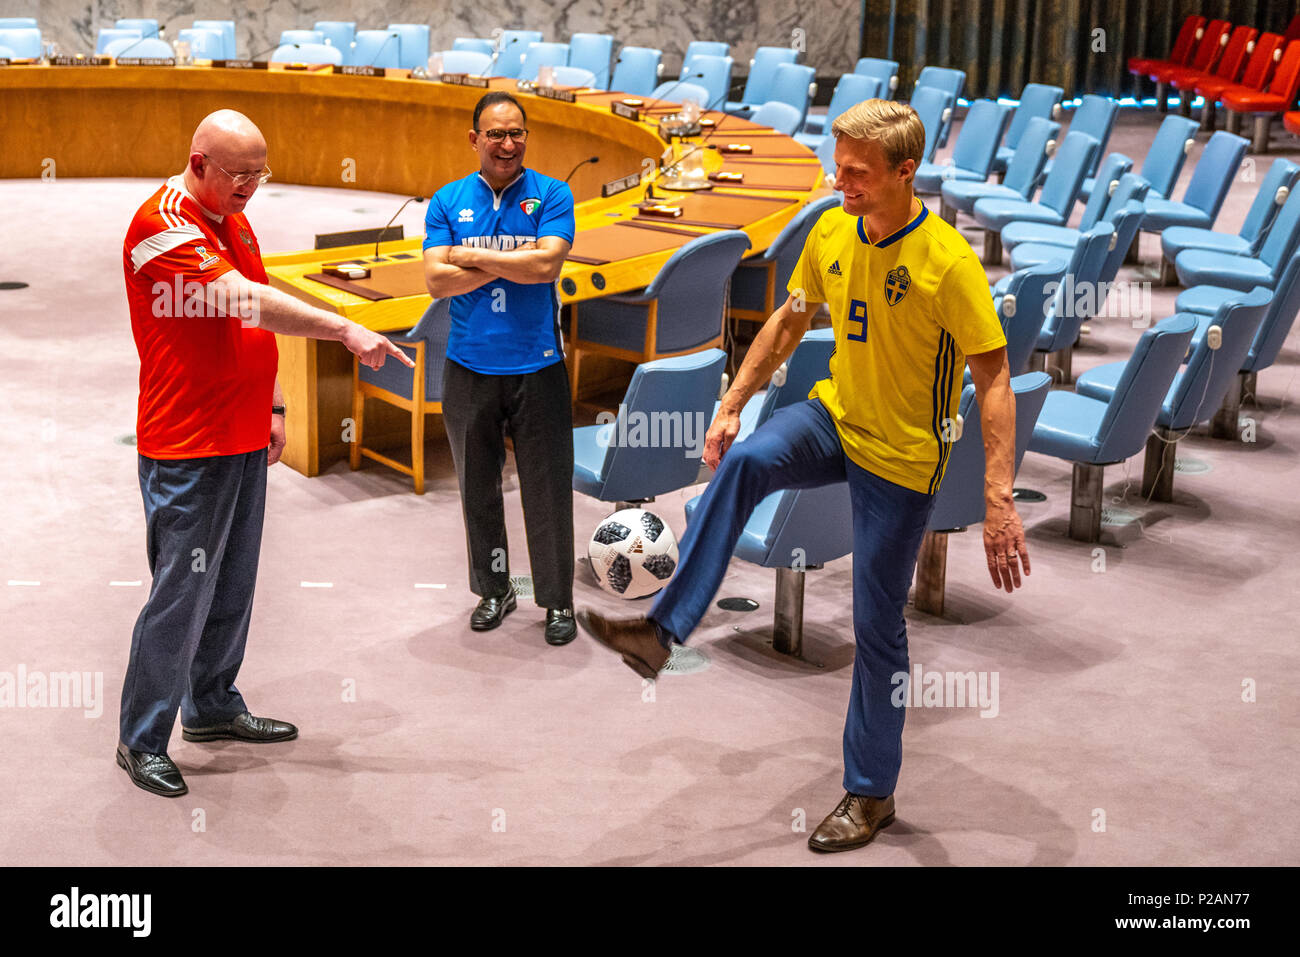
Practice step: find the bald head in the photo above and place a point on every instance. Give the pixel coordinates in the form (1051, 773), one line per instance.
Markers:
(227, 147)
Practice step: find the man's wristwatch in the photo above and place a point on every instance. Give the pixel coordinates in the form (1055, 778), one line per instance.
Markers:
(277, 410)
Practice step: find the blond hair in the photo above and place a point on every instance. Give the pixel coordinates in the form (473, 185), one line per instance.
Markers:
(895, 126)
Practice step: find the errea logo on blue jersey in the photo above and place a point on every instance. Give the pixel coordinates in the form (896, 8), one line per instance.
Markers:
(466, 216)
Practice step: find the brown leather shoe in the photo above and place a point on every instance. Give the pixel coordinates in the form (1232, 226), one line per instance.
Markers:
(634, 638)
(853, 823)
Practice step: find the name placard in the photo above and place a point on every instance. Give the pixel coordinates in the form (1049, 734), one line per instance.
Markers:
(464, 79)
(621, 185)
(4, 61)
(360, 70)
(564, 96)
(240, 64)
(80, 61)
(146, 61)
(625, 111)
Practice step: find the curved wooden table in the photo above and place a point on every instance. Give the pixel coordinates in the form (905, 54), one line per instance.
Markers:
(400, 135)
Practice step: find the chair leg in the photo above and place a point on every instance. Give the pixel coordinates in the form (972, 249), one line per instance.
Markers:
(1224, 425)
(1207, 114)
(417, 449)
(992, 247)
(1249, 388)
(358, 414)
(1158, 466)
(1063, 361)
(1037, 361)
(1168, 274)
(1259, 144)
(1085, 502)
(1134, 254)
(787, 620)
(1162, 98)
(1232, 123)
(932, 573)
(947, 213)
(1184, 103)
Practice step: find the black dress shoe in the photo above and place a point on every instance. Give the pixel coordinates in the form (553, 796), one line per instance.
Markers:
(560, 626)
(154, 773)
(491, 611)
(244, 727)
(853, 823)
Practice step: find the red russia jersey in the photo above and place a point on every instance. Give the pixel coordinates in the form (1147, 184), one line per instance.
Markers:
(207, 373)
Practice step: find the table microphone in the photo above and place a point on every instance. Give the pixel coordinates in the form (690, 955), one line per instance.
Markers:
(253, 58)
(589, 159)
(125, 50)
(496, 53)
(650, 186)
(383, 46)
(379, 238)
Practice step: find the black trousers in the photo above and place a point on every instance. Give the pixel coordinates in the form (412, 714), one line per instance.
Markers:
(535, 410)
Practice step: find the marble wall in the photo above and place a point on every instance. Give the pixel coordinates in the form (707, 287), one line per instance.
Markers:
(828, 30)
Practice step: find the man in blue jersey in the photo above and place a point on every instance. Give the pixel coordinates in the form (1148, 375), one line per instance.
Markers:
(495, 242)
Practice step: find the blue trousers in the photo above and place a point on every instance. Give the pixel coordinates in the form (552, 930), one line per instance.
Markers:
(203, 520)
(799, 447)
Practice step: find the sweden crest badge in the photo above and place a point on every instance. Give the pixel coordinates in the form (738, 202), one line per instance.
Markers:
(897, 282)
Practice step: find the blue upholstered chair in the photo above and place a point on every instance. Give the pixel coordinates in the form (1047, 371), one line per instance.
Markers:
(1054, 203)
(105, 36)
(758, 85)
(1021, 175)
(204, 44)
(1164, 160)
(414, 42)
(952, 82)
(1206, 267)
(851, 89)
(637, 70)
(1112, 173)
(793, 531)
(713, 73)
(779, 116)
(308, 53)
(1037, 100)
(1206, 191)
(698, 48)
(1273, 190)
(675, 91)
(934, 107)
(1092, 434)
(418, 390)
(1119, 215)
(378, 48)
(509, 51)
(6, 53)
(339, 33)
(1096, 117)
(972, 156)
(1026, 302)
(826, 156)
(301, 36)
(539, 55)
(680, 311)
(1081, 296)
(576, 76)
(674, 393)
(1263, 351)
(808, 364)
(146, 47)
(886, 71)
(472, 44)
(1198, 389)
(148, 26)
(959, 502)
(795, 84)
(7, 23)
(230, 48)
(473, 62)
(594, 52)
(758, 284)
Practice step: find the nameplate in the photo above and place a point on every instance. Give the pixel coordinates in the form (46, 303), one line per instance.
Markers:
(80, 61)
(658, 209)
(464, 79)
(4, 61)
(240, 64)
(360, 70)
(564, 96)
(146, 61)
(622, 185)
(625, 111)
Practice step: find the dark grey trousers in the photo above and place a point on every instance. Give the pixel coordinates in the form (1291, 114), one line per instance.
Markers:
(535, 410)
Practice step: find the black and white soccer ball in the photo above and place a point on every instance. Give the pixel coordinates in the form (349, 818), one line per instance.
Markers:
(633, 553)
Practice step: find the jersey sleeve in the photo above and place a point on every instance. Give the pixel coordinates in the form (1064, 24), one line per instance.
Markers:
(965, 308)
(437, 228)
(557, 214)
(807, 274)
(164, 248)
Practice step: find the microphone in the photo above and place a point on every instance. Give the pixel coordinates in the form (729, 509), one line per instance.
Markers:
(673, 86)
(379, 238)
(497, 50)
(382, 47)
(589, 159)
(253, 58)
(702, 144)
(132, 46)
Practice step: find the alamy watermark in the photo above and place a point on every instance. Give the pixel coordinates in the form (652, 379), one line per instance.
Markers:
(654, 430)
(57, 689)
(946, 689)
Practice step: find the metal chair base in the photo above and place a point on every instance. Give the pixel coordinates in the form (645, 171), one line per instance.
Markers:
(1158, 466)
(931, 573)
(1085, 502)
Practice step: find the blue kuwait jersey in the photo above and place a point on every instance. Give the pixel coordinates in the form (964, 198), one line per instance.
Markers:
(503, 327)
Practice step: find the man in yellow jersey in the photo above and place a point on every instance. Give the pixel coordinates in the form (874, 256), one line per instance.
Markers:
(910, 307)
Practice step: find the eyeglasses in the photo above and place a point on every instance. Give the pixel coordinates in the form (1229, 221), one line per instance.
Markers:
(497, 136)
(243, 179)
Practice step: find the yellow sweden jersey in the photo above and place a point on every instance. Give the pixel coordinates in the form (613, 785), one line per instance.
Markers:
(906, 312)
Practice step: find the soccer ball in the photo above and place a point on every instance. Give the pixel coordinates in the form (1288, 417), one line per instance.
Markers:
(633, 553)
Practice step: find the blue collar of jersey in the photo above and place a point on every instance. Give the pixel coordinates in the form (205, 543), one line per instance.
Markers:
(897, 234)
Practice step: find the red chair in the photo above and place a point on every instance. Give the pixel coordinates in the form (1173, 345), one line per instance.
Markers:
(1235, 51)
(1184, 46)
(1211, 43)
(1293, 29)
(1292, 122)
(1259, 70)
(1277, 98)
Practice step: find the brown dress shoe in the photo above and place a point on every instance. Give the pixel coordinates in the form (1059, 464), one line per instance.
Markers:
(853, 823)
(636, 639)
